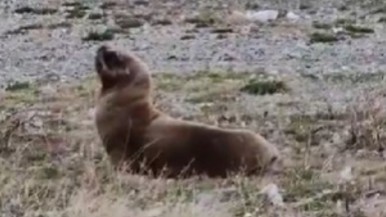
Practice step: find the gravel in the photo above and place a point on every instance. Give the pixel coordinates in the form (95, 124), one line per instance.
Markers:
(281, 48)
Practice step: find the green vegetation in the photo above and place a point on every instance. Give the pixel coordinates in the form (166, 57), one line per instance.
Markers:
(320, 37)
(108, 34)
(258, 87)
(39, 11)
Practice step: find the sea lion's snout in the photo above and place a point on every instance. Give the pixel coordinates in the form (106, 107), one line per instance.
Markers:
(108, 59)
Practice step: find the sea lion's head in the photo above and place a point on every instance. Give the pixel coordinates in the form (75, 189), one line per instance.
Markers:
(119, 69)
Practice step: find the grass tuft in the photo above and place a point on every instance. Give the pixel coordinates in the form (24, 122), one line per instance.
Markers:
(77, 11)
(39, 11)
(358, 29)
(258, 87)
(323, 37)
(18, 86)
(125, 21)
(106, 35)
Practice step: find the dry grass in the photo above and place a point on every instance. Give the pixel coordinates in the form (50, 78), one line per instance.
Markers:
(52, 162)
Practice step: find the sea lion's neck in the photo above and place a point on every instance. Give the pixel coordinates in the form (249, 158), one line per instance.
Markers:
(137, 103)
(143, 111)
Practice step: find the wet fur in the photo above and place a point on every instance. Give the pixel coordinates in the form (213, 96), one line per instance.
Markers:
(148, 141)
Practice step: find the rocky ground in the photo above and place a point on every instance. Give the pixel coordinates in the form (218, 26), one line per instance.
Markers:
(310, 80)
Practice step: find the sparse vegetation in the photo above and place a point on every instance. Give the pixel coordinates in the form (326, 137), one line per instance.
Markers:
(108, 5)
(222, 30)
(379, 10)
(205, 18)
(125, 21)
(382, 20)
(348, 25)
(344, 21)
(163, 22)
(319, 25)
(258, 87)
(59, 25)
(72, 4)
(323, 37)
(358, 29)
(24, 29)
(77, 11)
(39, 11)
(187, 37)
(95, 16)
(107, 34)
(354, 77)
(304, 6)
(251, 5)
(17, 86)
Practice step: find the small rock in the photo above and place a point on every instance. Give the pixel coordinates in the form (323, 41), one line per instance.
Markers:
(153, 212)
(37, 122)
(272, 192)
(248, 214)
(292, 16)
(48, 92)
(366, 154)
(237, 18)
(48, 78)
(91, 113)
(249, 29)
(206, 199)
(346, 174)
(262, 16)
(337, 30)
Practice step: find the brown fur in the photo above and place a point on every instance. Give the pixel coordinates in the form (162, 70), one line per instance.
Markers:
(134, 132)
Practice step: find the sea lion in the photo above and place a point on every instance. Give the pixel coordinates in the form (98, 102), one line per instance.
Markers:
(148, 141)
